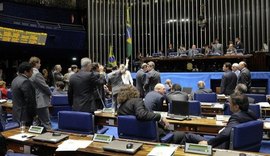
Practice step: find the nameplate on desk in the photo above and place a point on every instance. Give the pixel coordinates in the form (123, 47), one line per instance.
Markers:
(108, 110)
(36, 129)
(103, 138)
(199, 149)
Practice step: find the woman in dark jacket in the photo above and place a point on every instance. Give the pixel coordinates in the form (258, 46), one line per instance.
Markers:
(131, 104)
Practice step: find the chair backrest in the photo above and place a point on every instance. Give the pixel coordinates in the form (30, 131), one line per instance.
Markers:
(9, 94)
(76, 122)
(195, 108)
(205, 97)
(227, 110)
(58, 100)
(258, 97)
(60, 103)
(131, 128)
(247, 136)
(256, 109)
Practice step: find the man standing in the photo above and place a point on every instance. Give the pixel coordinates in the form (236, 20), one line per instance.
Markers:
(244, 77)
(24, 97)
(43, 94)
(140, 79)
(152, 77)
(82, 86)
(229, 79)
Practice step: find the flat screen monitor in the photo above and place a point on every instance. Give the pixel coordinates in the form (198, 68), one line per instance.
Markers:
(179, 108)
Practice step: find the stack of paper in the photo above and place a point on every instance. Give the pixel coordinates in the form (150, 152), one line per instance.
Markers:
(73, 145)
(162, 151)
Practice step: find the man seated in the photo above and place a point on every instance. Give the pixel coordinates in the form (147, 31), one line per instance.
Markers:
(194, 51)
(201, 88)
(239, 106)
(131, 104)
(154, 99)
(176, 94)
(59, 90)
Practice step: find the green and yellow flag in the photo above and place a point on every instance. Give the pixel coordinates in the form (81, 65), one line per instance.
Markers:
(112, 61)
(129, 34)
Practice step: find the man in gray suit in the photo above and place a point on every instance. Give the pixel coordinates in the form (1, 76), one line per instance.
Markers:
(43, 94)
(140, 79)
(152, 78)
(245, 76)
(115, 81)
(82, 87)
(24, 97)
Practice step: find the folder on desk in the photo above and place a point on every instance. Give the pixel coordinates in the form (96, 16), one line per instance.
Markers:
(49, 137)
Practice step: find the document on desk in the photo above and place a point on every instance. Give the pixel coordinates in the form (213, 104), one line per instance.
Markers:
(162, 151)
(218, 105)
(220, 152)
(21, 136)
(73, 145)
(264, 104)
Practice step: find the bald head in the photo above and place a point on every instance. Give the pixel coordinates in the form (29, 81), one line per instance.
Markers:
(242, 65)
(160, 88)
(201, 85)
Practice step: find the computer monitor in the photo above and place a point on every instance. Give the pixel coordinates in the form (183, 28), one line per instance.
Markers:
(179, 108)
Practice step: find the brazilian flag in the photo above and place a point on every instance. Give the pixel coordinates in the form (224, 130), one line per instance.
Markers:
(112, 60)
(129, 34)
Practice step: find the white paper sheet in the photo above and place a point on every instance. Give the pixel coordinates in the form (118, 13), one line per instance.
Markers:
(73, 145)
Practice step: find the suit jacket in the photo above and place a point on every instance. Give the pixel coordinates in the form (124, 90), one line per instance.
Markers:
(177, 96)
(154, 101)
(140, 81)
(228, 82)
(135, 106)
(43, 91)
(152, 78)
(223, 138)
(82, 86)
(245, 77)
(115, 80)
(24, 99)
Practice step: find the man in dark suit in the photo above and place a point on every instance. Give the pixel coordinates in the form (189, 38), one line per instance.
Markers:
(239, 106)
(229, 79)
(82, 86)
(238, 44)
(152, 77)
(140, 79)
(244, 76)
(154, 99)
(24, 97)
(176, 94)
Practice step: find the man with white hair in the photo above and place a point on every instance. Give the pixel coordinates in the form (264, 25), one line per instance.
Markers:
(82, 86)
(245, 76)
(235, 69)
(154, 99)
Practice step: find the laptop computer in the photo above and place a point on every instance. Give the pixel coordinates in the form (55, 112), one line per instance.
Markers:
(187, 90)
(179, 110)
(50, 137)
(123, 146)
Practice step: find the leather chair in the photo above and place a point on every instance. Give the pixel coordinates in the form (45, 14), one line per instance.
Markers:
(131, 128)
(257, 97)
(247, 136)
(60, 103)
(205, 97)
(256, 109)
(77, 122)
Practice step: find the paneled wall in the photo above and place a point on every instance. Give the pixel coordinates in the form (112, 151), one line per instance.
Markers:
(156, 23)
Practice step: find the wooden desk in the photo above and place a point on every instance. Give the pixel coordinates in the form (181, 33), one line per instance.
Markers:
(93, 149)
(196, 125)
